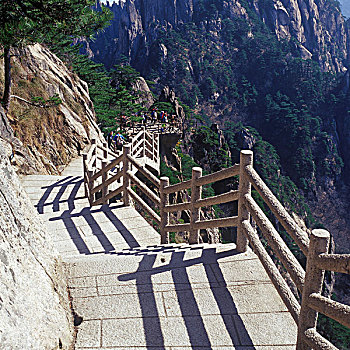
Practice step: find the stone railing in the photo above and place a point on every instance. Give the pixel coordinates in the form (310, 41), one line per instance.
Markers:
(155, 128)
(103, 168)
(146, 145)
(309, 283)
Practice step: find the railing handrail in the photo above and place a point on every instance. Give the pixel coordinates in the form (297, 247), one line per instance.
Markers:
(309, 282)
(298, 235)
(106, 149)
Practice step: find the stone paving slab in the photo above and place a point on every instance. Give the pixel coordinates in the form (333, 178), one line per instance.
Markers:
(175, 331)
(250, 269)
(127, 305)
(181, 303)
(89, 335)
(266, 328)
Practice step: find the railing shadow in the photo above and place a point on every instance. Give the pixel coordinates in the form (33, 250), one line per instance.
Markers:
(197, 329)
(124, 232)
(73, 231)
(73, 184)
(96, 230)
(62, 185)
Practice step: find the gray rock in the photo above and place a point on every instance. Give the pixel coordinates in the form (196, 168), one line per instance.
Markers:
(47, 138)
(317, 25)
(34, 304)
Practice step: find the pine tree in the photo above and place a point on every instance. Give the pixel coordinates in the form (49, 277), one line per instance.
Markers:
(24, 22)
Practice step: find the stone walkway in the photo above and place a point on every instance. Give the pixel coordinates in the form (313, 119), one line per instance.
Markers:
(77, 229)
(178, 297)
(135, 294)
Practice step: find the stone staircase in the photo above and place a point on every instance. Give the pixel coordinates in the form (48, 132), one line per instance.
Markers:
(133, 293)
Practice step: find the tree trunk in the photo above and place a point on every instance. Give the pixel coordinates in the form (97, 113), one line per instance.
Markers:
(8, 81)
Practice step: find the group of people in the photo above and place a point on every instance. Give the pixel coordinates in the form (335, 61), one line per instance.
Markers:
(152, 117)
(118, 138)
(161, 117)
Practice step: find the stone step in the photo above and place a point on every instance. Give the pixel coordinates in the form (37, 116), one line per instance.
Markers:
(142, 249)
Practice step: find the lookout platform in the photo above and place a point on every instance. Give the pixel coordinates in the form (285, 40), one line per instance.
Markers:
(133, 293)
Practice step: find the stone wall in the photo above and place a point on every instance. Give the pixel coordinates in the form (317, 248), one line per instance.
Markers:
(34, 304)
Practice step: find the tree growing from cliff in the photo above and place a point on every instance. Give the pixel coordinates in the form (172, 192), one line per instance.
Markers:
(25, 22)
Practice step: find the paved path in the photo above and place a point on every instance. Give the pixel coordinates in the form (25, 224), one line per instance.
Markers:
(77, 229)
(135, 294)
(178, 297)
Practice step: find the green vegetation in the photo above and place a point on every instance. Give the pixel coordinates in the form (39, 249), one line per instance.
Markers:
(335, 332)
(206, 145)
(111, 92)
(241, 68)
(24, 22)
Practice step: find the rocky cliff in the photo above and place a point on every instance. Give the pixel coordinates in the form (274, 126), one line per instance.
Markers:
(317, 25)
(34, 303)
(316, 28)
(43, 140)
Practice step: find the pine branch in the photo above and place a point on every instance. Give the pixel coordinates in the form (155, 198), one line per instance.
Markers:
(53, 102)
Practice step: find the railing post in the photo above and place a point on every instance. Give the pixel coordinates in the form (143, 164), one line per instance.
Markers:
(158, 150)
(319, 243)
(126, 179)
(246, 159)
(94, 153)
(196, 194)
(164, 217)
(144, 142)
(91, 186)
(105, 152)
(104, 179)
(86, 182)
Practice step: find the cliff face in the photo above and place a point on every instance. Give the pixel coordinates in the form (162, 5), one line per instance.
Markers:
(34, 304)
(135, 26)
(45, 139)
(317, 28)
(317, 25)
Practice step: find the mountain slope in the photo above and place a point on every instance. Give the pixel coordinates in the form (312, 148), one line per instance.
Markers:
(316, 27)
(45, 139)
(249, 62)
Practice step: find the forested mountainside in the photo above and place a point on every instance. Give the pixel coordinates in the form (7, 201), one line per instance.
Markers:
(266, 75)
(276, 66)
(316, 28)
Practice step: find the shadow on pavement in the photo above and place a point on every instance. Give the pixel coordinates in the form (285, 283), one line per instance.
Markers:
(196, 327)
